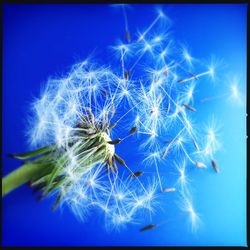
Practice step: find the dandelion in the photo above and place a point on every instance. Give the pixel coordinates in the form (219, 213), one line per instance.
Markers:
(80, 119)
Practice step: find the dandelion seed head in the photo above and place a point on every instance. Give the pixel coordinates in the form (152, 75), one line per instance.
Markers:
(75, 113)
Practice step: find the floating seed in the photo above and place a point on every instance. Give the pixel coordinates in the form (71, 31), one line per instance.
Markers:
(114, 164)
(104, 92)
(127, 74)
(114, 142)
(119, 160)
(136, 174)
(181, 80)
(58, 199)
(195, 144)
(148, 227)
(112, 125)
(215, 166)
(167, 190)
(189, 107)
(200, 164)
(132, 130)
(128, 36)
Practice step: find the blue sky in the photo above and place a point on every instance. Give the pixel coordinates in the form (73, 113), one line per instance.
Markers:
(45, 40)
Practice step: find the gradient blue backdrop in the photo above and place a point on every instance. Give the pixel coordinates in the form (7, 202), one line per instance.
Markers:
(44, 40)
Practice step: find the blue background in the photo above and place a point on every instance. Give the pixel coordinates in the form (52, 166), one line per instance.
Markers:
(45, 40)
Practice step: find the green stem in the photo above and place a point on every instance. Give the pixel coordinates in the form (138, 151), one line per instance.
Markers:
(20, 176)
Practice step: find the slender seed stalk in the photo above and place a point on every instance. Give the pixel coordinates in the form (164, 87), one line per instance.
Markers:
(20, 176)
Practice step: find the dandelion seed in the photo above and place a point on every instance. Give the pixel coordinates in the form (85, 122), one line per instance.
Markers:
(148, 227)
(120, 160)
(167, 190)
(104, 92)
(189, 107)
(128, 36)
(132, 130)
(200, 165)
(214, 164)
(136, 174)
(114, 142)
(127, 74)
